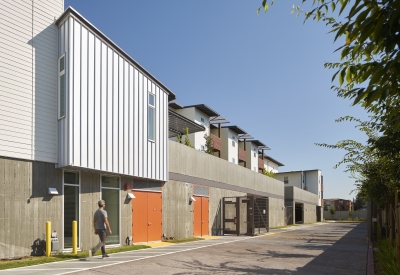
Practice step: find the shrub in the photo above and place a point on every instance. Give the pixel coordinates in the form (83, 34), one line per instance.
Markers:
(349, 219)
(356, 219)
(386, 257)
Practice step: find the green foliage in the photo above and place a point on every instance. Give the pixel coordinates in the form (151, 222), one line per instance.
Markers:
(369, 70)
(179, 138)
(187, 139)
(332, 210)
(386, 257)
(29, 261)
(209, 149)
(356, 219)
(268, 173)
(184, 240)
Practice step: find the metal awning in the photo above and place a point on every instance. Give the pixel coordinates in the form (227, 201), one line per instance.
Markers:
(218, 120)
(177, 124)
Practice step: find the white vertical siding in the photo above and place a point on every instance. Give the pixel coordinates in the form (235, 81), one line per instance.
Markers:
(28, 79)
(97, 104)
(136, 123)
(76, 94)
(108, 115)
(102, 151)
(91, 104)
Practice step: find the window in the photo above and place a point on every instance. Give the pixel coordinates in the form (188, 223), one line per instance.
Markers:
(202, 121)
(255, 154)
(202, 148)
(110, 193)
(341, 202)
(255, 169)
(151, 118)
(233, 160)
(71, 206)
(61, 89)
(233, 143)
(285, 180)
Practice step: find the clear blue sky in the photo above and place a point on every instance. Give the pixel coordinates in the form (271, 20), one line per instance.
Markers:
(264, 73)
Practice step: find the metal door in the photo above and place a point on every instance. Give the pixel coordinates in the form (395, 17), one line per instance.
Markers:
(154, 216)
(139, 217)
(204, 216)
(231, 215)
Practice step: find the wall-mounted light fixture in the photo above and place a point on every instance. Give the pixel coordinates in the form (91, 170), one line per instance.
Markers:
(130, 195)
(52, 191)
(192, 199)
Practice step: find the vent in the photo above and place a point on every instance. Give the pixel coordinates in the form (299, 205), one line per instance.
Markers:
(200, 190)
(144, 185)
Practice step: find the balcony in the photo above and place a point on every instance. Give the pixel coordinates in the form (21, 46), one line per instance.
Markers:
(242, 155)
(216, 142)
(260, 163)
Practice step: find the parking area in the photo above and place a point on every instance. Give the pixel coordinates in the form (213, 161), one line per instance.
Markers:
(323, 248)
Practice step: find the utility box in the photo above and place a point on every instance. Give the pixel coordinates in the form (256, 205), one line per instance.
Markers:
(55, 246)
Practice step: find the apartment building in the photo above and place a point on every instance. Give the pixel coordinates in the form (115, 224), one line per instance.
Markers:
(338, 204)
(310, 180)
(271, 164)
(81, 120)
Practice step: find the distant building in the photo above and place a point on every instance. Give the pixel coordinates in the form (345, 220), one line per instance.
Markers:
(310, 180)
(338, 204)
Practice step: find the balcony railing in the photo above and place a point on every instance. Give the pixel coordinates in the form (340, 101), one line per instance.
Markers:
(242, 155)
(216, 142)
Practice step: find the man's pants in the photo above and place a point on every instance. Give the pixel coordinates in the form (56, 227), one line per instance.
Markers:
(103, 236)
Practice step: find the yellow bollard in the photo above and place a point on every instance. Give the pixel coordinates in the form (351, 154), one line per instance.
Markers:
(48, 239)
(74, 237)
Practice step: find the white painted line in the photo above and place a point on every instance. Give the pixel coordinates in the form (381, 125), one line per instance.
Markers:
(241, 239)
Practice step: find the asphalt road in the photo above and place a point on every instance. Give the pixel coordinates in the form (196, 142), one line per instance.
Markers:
(326, 248)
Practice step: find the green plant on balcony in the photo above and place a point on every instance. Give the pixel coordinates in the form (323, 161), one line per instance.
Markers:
(209, 149)
(268, 173)
(187, 139)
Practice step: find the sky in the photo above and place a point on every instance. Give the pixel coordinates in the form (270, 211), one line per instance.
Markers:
(264, 73)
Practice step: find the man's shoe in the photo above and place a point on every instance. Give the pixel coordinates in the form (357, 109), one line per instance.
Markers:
(105, 256)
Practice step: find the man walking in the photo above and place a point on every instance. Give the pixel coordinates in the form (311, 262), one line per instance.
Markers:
(100, 222)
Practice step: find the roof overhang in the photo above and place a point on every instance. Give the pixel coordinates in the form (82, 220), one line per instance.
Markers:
(73, 13)
(204, 108)
(274, 161)
(178, 123)
(218, 120)
(236, 129)
(259, 144)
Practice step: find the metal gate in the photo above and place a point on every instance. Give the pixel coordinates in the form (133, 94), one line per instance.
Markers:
(245, 215)
(289, 215)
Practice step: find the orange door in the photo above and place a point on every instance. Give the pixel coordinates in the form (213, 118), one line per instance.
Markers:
(197, 216)
(139, 217)
(204, 216)
(154, 228)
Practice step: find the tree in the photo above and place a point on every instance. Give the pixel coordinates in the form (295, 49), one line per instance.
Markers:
(369, 71)
(209, 149)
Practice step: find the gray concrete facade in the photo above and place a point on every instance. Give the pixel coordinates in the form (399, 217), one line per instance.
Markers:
(224, 179)
(26, 206)
(308, 200)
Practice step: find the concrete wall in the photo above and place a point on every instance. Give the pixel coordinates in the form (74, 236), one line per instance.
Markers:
(224, 179)
(276, 212)
(25, 205)
(216, 172)
(294, 195)
(177, 213)
(344, 215)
